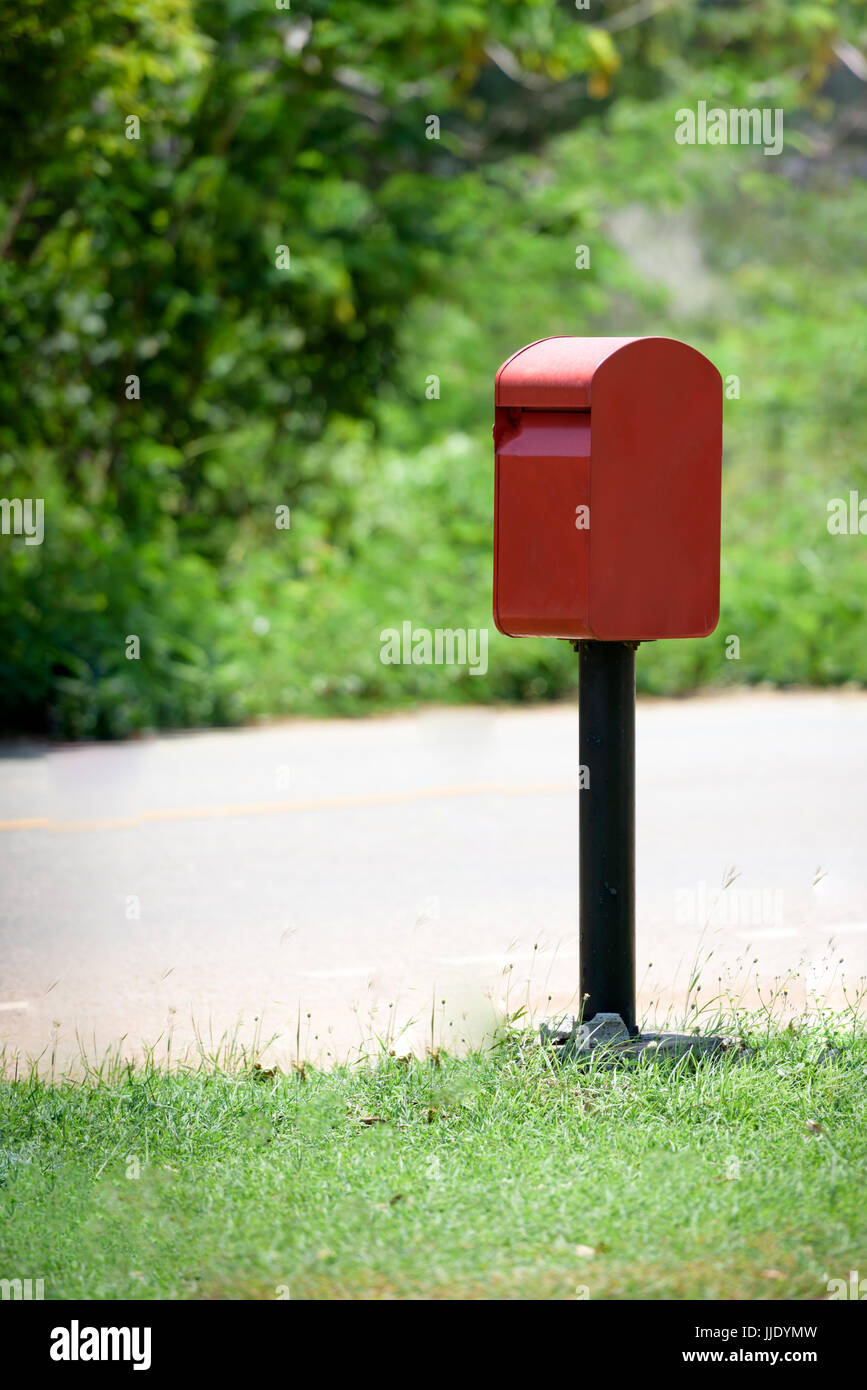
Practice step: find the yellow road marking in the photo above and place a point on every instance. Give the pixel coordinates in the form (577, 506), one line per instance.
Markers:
(272, 808)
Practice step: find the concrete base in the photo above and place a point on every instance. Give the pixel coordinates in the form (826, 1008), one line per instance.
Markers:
(570, 1039)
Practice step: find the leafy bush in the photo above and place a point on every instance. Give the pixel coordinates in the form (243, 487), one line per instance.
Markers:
(168, 382)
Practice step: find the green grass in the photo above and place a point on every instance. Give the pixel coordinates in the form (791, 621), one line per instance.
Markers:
(497, 1175)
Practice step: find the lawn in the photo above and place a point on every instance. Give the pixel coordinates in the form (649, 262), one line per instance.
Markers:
(497, 1175)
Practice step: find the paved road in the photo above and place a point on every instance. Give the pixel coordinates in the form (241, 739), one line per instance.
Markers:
(357, 874)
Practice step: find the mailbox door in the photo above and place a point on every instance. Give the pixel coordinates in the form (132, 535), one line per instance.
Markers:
(657, 447)
(541, 546)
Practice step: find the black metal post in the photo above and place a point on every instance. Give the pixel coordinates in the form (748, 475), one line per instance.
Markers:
(606, 708)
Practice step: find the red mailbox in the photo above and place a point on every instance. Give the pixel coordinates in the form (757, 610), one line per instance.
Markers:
(607, 510)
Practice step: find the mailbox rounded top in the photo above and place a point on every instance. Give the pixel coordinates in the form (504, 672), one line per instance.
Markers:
(557, 373)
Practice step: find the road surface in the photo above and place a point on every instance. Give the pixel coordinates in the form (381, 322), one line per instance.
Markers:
(331, 882)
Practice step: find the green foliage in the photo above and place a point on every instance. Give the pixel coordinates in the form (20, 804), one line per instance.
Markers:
(261, 386)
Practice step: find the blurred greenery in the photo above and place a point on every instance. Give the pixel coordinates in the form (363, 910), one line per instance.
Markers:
(265, 385)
